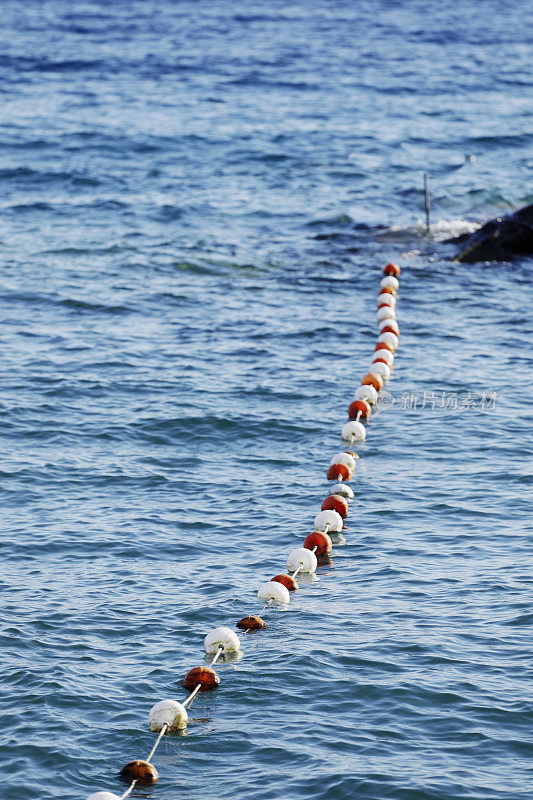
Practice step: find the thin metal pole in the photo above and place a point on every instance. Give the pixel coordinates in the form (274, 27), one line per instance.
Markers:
(426, 194)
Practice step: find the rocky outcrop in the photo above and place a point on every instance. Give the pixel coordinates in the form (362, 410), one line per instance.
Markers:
(500, 239)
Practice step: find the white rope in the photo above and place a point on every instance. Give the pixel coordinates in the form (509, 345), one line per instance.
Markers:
(217, 654)
(129, 790)
(161, 734)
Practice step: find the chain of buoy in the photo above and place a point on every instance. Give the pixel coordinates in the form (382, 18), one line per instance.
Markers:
(171, 715)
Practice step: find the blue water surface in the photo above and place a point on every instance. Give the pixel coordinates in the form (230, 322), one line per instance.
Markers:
(197, 200)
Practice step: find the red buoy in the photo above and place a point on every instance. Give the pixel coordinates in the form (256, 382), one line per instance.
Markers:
(392, 269)
(321, 541)
(335, 503)
(140, 771)
(386, 290)
(251, 623)
(287, 580)
(360, 407)
(391, 329)
(373, 380)
(205, 676)
(384, 346)
(339, 472)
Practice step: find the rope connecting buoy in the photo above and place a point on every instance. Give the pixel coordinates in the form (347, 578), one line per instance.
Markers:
(251, 623)
(319, 542)
(168, 715)
(288, 581)
(273, 592)
(139, 771)
(171, 715)
(204, 677)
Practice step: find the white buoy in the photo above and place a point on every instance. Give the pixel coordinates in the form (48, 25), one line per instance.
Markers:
(379, 368)
(353, 431)
(344, 458)
(224, 638)
(344, 490)
(103, 796)
(386, 355)
(386, 300)
(273, 592)
(385, 313)
(367, 393)
(167, 712)
(389, 282)
(389, 338)
(328, 521)
(305, 559)
(389, 323)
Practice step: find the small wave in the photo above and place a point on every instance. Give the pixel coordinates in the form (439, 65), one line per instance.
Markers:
(440, 230)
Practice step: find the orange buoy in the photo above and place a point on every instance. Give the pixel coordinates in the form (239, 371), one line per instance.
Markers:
(384, 346)
(373, 380)
(321, 541)
(361, 407)
(386, 290)
(251, 623)
(392, 269)
(391, 329)
(205, 676)
(335, 503)
(140, 771)
(339, 472)
(288, 581)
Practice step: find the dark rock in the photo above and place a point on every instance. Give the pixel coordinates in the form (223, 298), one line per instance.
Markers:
(500, 239)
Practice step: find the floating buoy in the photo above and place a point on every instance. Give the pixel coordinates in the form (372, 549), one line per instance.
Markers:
(339, 472)
(139, 771)
(343, 490)
(321, 541)
(103, 796)
(392, 269)
(386, 290)
(273, 592)
(359, 408)
(328, 520)
(345, 458)
(251, 623)
(336, 503)
(385, 323)
(373, 380)
(384, 346)
(169, 713)
(380, 368)
(206, 677)
(223, 638)
(367, 393)
(351, 431)
(302, 560)
(386, 300)
(288, 581)
(389, 338)
(384, 355)
(386, 312)
(390, 282)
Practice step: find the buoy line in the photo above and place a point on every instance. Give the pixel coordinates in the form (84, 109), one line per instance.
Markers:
(171, 715)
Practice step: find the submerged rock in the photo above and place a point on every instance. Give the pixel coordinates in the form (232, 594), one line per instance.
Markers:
(498, 240)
